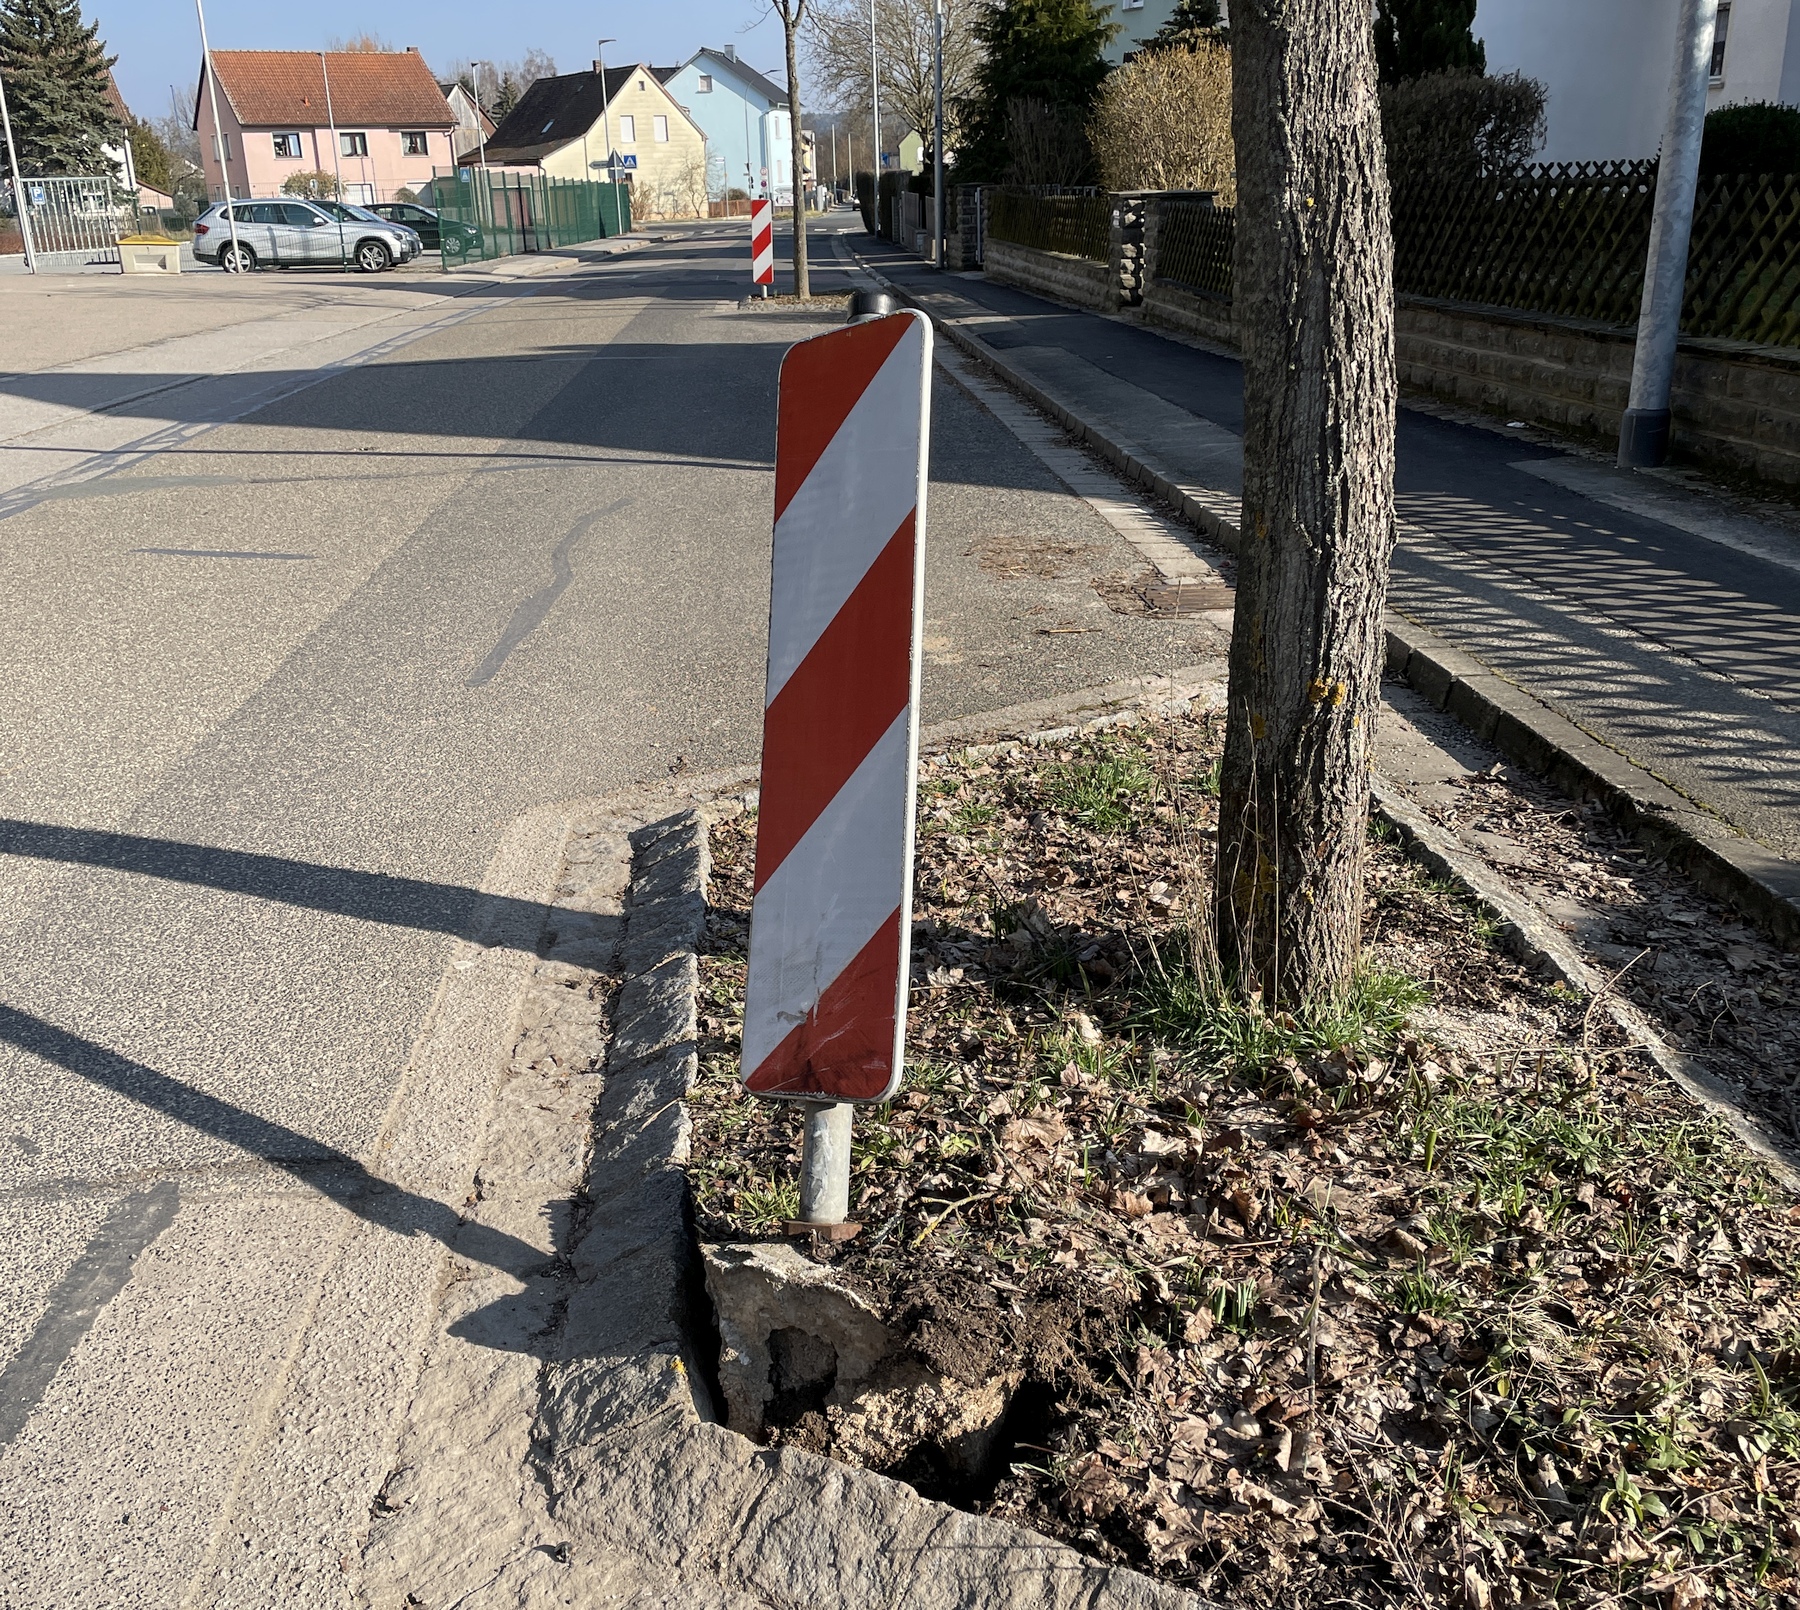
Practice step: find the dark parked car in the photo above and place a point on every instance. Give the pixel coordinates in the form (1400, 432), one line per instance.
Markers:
(435, 231)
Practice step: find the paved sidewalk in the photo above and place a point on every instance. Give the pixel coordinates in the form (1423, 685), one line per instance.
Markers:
(1661, 620)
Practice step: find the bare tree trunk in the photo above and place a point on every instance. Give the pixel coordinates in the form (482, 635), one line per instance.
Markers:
(1315, 310)
(802, 282)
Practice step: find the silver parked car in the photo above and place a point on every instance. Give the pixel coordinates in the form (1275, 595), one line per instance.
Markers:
(286, 233)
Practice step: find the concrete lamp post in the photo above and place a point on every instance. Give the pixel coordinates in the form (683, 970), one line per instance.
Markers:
(1644, 432)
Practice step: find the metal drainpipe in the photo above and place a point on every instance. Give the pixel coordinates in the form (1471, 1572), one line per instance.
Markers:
(1644, 431)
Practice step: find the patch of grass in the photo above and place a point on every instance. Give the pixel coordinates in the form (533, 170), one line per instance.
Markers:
(1105, 792)
(1182, 1001)
(770, 1204)
(1419, 1291)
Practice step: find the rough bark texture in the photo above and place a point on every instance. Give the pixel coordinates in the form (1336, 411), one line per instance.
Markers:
(793, 13)
(1315, 302)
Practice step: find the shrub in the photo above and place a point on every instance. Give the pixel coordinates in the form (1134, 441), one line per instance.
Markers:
(314, 186)
(1163, 122)
(1758, 137)
(1451, 126)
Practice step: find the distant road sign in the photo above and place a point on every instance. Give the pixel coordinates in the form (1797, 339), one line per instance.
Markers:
(762, 242)
(830, 923)
(39, 195)
(626, 161)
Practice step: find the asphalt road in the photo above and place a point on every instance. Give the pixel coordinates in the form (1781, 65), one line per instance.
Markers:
(313, 597)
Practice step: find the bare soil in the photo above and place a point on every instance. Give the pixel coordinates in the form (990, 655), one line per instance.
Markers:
(1439, 1295)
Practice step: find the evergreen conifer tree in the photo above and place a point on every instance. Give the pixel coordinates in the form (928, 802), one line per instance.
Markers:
(55, 68)
(1191, 24)
(1046, 51)
(1416, 37)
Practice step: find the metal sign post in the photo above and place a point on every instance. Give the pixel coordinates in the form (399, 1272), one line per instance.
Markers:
(762, 244)
(831, 919)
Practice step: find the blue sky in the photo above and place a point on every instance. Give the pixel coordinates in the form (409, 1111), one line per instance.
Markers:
(158, 41)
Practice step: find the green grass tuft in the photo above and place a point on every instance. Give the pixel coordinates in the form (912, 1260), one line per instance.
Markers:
(1105, 793)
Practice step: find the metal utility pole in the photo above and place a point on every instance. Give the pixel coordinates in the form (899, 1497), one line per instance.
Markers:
(1644, 432)
(337, 165)
(612, 176)
(18, 182)
(212, 93)
(937, 135)
(875, 101)
(475, 77)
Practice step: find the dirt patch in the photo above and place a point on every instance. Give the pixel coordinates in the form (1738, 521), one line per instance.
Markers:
(1012, 556)
(1440, 1295)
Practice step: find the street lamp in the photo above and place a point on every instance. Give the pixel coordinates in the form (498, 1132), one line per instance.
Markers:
(12, 164)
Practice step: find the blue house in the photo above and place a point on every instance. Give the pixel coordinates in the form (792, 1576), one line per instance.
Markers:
(744, 116)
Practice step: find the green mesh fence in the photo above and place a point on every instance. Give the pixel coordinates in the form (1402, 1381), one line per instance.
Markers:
(486, 213)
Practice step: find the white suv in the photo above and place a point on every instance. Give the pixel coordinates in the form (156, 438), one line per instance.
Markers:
(286, 233)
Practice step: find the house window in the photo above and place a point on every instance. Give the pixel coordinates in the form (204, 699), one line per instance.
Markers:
(353, 145)
(627, 129)
(705, 84)
(659, 128)
(287, 145)
(414, 145)
(643, 88)
(1720, 29)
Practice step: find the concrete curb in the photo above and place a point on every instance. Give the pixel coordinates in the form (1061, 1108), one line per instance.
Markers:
(1723, 862)
(1528, 934)
(630, 1450)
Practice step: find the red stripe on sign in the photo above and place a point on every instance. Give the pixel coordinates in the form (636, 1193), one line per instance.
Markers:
(820, 383)
(846, 1043)
(842, 697)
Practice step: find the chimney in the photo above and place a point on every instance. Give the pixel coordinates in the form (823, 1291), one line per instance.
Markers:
(412, 50)
(596, 67)
(731, 51)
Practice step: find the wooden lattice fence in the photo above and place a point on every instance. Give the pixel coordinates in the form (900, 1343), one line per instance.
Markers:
(1078, 224)
(1562, 238)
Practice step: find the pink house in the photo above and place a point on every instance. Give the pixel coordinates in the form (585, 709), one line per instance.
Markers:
(375, 119)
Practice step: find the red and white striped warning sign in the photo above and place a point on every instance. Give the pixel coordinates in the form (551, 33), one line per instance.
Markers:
(762, 243)
(830, 928)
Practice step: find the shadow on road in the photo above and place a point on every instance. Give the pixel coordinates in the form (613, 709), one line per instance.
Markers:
(483, 919)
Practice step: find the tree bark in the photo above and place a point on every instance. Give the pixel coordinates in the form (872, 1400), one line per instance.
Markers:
(802, 281)
(1315, 309)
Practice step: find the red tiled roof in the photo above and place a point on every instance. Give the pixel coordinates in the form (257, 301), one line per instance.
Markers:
(117, 101)
(390, 89)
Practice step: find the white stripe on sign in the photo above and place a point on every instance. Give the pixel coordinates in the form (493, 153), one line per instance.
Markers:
(864, 485)
(830, 896)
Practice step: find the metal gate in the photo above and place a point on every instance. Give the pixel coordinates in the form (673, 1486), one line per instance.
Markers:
(74, 217)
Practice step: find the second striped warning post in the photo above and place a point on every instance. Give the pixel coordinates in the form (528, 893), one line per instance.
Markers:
(762, 243)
